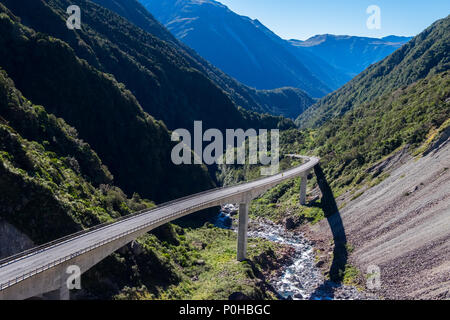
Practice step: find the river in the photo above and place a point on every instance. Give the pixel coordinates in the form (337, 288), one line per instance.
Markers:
(301, 279)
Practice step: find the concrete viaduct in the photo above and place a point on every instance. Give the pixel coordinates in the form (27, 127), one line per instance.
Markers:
(42, 271)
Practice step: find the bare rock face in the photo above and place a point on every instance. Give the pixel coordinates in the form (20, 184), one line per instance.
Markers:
(12, 241)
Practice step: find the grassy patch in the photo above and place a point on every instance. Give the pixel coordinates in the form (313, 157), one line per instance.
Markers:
(350, 275)
(204, 263)
(219, 274)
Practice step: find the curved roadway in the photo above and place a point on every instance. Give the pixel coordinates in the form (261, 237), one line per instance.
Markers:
(49, 256)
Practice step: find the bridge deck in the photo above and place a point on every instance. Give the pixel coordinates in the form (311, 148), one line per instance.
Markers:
(32, 264)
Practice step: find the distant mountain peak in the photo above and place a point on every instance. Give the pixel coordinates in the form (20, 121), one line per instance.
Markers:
(240, 46)
(253, 54)
(394, 38)
(321, 38)
(426, 54)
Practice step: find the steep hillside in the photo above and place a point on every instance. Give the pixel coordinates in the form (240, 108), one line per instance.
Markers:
(162, 79)
(42, 158)
(351, 146)
(386, 169)
(53, 184)
(402, 225)
(243, 48)
(349, 55)
(134, 146)
(287, 102)
(426, 54)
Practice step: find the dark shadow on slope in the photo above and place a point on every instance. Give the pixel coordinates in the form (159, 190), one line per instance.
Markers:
(340, 254)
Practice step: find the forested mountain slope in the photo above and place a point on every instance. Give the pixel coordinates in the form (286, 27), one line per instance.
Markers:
(134, 146)
(240, 46)
(426, 54)
(287, 101)
(351, 146)
(164, 82)
(53, 184)
(47, 171)
(408, 117)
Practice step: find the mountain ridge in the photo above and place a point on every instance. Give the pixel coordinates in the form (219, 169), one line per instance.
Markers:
(105, 114)
(425, 54)
(242, 95)
(249, 51)
(350, 55)
(238, 45)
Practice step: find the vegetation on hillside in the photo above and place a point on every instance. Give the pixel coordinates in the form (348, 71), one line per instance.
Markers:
(206, 267)
(135, 147)
(289, 102)
(352, 145)
(53, 184)
(426, 54)
(349, 146)
(164, 79)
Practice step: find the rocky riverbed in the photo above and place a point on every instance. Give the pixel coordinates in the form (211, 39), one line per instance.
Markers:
(301, 278)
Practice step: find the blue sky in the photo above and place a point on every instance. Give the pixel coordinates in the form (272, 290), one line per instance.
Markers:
(300, 19)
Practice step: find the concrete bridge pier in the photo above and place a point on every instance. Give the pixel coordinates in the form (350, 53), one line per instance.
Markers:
(43, 273)
(242, 231)
(303, 182)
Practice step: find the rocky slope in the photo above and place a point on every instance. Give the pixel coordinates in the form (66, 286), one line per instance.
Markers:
(402, 226)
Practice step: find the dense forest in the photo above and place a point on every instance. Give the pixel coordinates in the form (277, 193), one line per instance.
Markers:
(168, 83)
(134, 146)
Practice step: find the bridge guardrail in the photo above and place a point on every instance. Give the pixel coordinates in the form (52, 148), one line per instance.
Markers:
(103, 242)
(48, 245)
(71, 237)
(38, 249)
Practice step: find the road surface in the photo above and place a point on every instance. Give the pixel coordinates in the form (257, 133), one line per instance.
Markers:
(50, 256)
